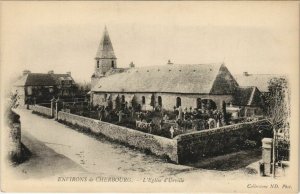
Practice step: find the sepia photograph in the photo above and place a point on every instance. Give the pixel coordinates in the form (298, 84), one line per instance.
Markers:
(149, 96)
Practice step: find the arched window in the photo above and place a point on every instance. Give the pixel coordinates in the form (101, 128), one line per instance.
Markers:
(199, 103)
(98, 64)
(159, 100)
(113, 64)
(143, 100)
(178, 102)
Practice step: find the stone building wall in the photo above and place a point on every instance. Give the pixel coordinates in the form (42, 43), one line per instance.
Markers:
(168, 99)
(104, 66)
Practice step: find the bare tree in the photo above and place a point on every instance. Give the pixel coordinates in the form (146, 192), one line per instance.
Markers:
(278, 111)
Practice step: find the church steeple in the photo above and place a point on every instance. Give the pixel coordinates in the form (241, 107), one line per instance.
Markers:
(105, 49)
(105, 56)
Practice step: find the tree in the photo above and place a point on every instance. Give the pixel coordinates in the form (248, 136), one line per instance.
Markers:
(152, 102)
(224, 112)
(278, 107)
(278, 111)
(118, 103)
(134, 103)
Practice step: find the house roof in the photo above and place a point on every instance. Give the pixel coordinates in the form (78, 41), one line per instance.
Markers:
(247, 96)
(261, 81)
(59, 77)
(42, 79)
(196, 78)
(105, 49)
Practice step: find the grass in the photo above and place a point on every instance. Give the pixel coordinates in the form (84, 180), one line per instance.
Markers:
(227, 162)
(25, 155)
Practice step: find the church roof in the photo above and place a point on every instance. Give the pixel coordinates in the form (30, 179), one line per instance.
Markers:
(105, 49)
(42, 79)
(196, 78)
(261, 81)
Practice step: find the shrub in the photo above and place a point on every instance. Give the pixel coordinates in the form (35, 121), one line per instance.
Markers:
(249, 144)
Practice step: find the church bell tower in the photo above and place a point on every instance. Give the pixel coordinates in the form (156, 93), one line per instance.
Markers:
(105, 59)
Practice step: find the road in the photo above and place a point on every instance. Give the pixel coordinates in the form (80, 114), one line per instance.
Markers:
(59, 150)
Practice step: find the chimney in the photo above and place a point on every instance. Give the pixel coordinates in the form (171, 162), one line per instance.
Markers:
(131, 65)
(69, 73)
(51, 72)
(25, 72)
(245, 73)
(169, 62)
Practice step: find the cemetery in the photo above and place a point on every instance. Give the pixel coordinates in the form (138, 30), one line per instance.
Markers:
(157, 121)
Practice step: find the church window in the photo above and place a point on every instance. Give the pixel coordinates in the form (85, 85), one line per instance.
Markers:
(143, 100)
(199, 103)
(113, 64)
(159, 100)
(29, 90)
(123, 99)
(98, 65)
(178, 102)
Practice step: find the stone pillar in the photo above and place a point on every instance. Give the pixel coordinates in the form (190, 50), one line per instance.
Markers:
(52, 107)
(57, 108)
(267, 155)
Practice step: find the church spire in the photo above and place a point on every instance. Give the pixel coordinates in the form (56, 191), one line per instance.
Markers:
(105, 59)
(105, 49)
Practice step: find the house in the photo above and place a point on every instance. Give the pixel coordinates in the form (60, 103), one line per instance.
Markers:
(249, 100)
(41, 87)
(167, 86)
(261, 81)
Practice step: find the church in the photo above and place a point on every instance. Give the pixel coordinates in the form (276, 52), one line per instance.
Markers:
(167, 86)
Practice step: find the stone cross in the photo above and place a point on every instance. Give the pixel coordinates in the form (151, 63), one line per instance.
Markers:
(120, 114)
(172, 132)
(180, 115)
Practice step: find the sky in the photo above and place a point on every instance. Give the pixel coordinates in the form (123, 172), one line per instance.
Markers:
(257, 37)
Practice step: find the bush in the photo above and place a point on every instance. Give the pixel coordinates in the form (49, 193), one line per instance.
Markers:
(283, 149)
(249, 144)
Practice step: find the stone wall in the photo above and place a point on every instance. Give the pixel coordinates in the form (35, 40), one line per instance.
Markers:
(183, 148)
(158, 145)
(13, 137)
(41, 110)
(213, 142)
